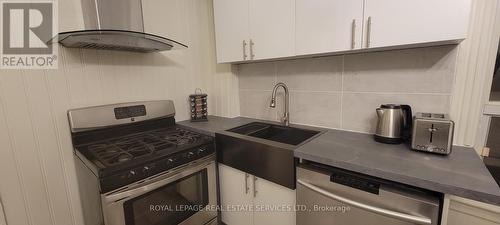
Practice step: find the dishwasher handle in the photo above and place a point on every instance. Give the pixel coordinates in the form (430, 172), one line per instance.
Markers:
(374, 209)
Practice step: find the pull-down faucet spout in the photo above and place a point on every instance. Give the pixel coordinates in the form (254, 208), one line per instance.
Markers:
(286, 116)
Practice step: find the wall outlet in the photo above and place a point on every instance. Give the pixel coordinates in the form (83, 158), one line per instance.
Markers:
(485, 152)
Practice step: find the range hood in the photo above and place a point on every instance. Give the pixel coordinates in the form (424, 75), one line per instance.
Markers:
(115, 25)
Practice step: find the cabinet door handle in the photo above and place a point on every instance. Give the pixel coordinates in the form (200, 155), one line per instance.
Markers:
(252, 55)
(245, 50)
(353, 33)
(254, 186)
(3, 218)
(247, 189)
(369, 32)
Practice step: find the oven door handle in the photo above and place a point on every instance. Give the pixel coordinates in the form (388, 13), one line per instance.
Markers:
(374, 209)
(162, 181)
(136, 192)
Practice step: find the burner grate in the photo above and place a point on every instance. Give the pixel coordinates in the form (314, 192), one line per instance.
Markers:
(178, 136)
(120, 150)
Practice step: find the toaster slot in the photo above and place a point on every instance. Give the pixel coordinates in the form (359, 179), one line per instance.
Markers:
(438, 116)
(426, 115)
(432, 130)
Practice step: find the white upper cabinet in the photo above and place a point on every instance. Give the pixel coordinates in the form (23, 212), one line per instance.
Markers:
(407, 22)
(254, 29)
(272, 28)
(324, 26)
(232, 30)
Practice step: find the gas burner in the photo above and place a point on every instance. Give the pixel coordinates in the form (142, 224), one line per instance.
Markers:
(181, 137)
(124, 158)
(119, 150)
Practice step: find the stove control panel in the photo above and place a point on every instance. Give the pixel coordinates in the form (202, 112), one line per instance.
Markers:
(130, 111)
(144, 171)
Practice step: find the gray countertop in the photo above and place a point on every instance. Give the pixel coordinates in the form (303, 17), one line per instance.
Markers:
(462, 173)
(215, 124)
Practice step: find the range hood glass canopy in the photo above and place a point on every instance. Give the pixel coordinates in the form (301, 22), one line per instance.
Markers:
(115, 25)
(123, 40)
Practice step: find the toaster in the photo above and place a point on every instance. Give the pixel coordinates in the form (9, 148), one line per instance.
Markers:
(432, 133)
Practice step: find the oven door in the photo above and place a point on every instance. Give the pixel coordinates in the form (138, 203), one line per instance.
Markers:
(175, 197)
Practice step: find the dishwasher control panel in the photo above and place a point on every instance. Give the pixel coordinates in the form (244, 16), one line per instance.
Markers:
(356, 182)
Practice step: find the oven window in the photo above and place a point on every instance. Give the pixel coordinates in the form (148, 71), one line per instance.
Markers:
(170, 204)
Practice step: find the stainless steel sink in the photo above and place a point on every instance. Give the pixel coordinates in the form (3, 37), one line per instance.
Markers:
(264, 150)
(282, 134)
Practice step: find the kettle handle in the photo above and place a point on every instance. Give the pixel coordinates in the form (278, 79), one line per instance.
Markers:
(408, 121)
(380, 112)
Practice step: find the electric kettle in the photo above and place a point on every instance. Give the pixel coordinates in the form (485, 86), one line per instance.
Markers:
(394, 124)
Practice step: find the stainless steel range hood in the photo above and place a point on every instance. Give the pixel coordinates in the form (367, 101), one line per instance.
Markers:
(115, 25)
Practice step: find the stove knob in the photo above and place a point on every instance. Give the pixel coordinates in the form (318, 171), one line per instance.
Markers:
(131, 174)
(145, 169)
(170, 161)
(190, 154)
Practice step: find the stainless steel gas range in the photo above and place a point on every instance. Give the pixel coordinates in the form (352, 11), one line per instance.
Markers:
(135, 166)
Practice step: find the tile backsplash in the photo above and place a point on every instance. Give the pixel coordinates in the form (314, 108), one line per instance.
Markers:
(343, 92)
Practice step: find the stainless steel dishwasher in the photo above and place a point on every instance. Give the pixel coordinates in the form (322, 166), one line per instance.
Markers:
(327, 195)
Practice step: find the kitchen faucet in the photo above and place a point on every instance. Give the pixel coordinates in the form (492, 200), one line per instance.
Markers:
(286, 116)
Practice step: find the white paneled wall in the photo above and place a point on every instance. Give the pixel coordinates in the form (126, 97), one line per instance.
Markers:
(38, 184)
(344, 91)
(474, 73)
